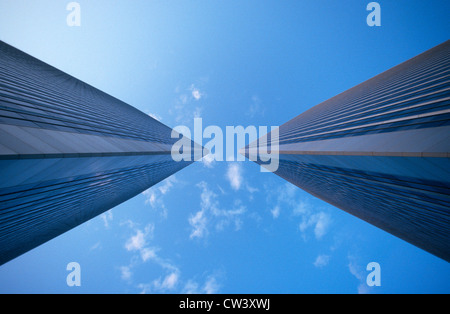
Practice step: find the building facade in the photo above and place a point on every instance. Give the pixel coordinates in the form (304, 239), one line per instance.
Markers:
(68, 152)
(380, 151)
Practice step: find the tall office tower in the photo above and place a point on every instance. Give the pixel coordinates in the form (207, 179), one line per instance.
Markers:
(380, 151)
(68, 152)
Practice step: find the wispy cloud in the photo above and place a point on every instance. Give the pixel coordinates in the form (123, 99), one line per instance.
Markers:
(191, 287)
(154, 196)
(183, 99)
(148, 254)
(255, 108)
(319, 222)
(186, 106)
(136, 242)
(139, 242)
(125, 273)
(359, 273)
(210, 286)
(107, 217)
(196, 92)
(198, 112)
(275, 212)
(169, 282)
(173, 282)
(251, 189)
(208, 161)
(210, 212)
(155, 116)
(234, 175)
(285, 199)
(321, 261)
(167, 185)
(198, 223)
(96, 246)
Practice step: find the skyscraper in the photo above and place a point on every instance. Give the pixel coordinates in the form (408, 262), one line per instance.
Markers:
(380, 151)
(68, 152)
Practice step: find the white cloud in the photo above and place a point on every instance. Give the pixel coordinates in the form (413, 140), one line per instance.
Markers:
(198, 112)
(196, 94)
(355, 270)
(138, 242)
(255, 107)
(211, 286)
(211, 212)
(154, 196)
(150, 197)
(171, 280)
(107, 217)
(183, 99)
(125, 272)
(95, 246)
(251, 189)
(321, 261)
(359, 273)
(208, 161)
(130, 224)
(234, 175)
(208, 197)
(319, 221)
(145, 288)
(167, 185)
(148, 253)
(363, 289)
(155, 116)
(323, 221)
(311, 219)
(162, 284)
(284, 198)
(168, 283)
(301, 208)
(198, 223)
(275, 212)
(191, 287)
(208, 203)
(184, 103)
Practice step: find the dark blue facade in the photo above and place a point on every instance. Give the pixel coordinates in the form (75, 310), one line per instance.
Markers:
(381, 151)
(68, 152)
(388, 192)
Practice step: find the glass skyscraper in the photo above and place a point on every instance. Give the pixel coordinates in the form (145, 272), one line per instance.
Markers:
(380, 151)
(68, 152)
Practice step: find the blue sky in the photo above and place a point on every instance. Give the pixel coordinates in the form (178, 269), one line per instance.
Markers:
(224, 227)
